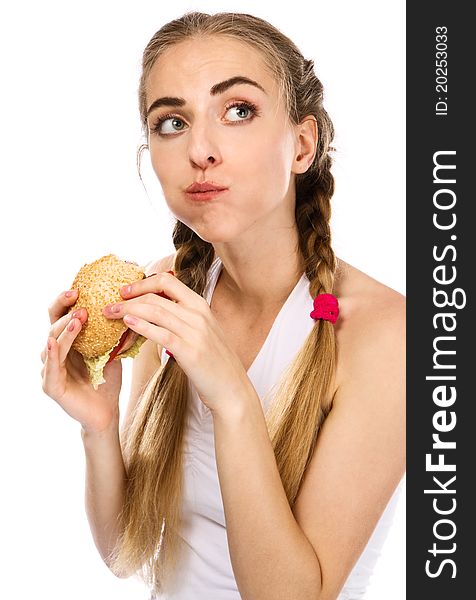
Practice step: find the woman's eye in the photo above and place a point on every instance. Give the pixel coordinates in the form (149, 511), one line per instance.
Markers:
(241, 111)
(167, 125)
(172, 124)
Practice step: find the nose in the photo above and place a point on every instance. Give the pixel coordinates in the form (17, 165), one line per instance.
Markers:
(203, 149)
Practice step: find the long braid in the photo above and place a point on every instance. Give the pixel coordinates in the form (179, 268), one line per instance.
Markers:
(193, 258)
(302, 401)
(303, 397)
(313, 213)
(158, 429)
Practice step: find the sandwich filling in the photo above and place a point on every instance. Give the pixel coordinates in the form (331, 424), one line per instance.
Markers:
(96, 365)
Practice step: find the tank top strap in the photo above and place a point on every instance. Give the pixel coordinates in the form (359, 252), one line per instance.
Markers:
(212, 278)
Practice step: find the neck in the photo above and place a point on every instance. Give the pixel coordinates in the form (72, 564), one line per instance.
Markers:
(259, 275)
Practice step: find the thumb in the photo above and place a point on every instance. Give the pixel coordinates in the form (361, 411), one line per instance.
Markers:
(51, 375)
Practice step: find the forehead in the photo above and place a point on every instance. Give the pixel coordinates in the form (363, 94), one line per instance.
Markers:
(198, 63)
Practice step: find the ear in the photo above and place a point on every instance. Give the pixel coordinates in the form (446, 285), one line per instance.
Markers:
(306, 136)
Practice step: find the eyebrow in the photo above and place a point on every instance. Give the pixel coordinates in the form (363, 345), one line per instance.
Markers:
(218, 88)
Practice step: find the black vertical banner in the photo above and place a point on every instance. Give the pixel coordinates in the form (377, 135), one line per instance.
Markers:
(441, 268)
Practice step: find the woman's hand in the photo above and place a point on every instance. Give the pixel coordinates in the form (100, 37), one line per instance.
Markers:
(184, 325)
(65, 377)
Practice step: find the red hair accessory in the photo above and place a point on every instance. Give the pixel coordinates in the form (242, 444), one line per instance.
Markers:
(326, 307)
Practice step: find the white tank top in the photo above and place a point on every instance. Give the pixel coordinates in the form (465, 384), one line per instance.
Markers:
(206, 573)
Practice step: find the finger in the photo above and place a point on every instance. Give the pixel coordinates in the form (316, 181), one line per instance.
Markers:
(161, 317)
(52, 381)
(61, 304)
(66, 339)
(159, 335)
(118, 310)
(167, 284)
(58, 327)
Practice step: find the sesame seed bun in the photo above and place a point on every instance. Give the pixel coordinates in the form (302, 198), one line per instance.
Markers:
(98, 284)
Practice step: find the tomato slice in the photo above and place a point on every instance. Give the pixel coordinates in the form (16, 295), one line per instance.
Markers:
(117, 349)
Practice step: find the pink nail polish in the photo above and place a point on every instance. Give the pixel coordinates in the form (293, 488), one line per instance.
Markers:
(130, 320)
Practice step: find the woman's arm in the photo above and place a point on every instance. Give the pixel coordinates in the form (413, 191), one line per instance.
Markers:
(271, 557)
(105, 470)
(308, 553)
(104, 487)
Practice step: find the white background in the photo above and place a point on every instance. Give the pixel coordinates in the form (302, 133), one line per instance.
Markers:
(70, 193)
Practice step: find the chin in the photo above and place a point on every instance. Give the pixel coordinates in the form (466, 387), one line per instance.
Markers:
(212, 230)
(208, 234)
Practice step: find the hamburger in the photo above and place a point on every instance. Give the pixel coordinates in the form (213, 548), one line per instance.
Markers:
(102, 340)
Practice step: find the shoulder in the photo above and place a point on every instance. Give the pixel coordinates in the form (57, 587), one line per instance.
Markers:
(162, 264)
(370, 331)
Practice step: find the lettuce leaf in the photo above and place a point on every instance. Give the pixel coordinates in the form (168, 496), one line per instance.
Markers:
(96, 365)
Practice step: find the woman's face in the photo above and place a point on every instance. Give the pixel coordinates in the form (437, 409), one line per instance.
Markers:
(243, 127)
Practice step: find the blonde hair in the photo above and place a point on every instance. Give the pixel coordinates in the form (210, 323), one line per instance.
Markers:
(150, 543)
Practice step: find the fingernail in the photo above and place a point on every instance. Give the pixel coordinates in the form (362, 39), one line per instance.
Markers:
(70, 293)
(76, 314)
(127, 289)
(71, 325)
(111, 309)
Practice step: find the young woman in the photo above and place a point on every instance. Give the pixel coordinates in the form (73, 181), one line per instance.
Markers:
(262, 449)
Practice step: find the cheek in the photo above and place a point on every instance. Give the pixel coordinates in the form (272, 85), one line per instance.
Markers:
(269, 162)
(165, 168)
(170, 174)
